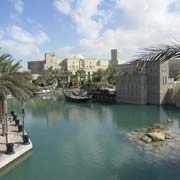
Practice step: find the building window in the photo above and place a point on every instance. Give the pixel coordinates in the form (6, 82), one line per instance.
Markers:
(165, 80)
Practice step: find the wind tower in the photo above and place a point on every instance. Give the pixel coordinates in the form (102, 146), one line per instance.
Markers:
(114, 57)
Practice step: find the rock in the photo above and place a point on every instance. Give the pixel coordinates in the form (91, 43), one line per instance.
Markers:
(156, 136)
(168, 135)
(155, 129)
(132, 136)
(146, 139)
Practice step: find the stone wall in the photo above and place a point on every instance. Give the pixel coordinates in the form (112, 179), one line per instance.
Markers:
(157, 82)
(174, 68)
(132, 89)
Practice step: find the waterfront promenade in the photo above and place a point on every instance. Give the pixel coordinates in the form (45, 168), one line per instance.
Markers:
(14, 137)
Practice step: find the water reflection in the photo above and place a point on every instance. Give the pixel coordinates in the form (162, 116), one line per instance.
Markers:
(122, 116)
(79, 141)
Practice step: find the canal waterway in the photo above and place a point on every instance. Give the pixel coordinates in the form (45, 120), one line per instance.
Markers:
(86, 142)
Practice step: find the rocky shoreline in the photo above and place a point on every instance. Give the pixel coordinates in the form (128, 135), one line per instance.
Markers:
(150, 135)
(156, 140)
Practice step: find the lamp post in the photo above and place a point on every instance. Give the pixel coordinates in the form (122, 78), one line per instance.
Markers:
(23, 116)
(24, 136)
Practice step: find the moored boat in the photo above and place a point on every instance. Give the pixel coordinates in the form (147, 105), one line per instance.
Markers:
(78, 99)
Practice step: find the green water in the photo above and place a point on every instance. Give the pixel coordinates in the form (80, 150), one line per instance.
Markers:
(86, 142)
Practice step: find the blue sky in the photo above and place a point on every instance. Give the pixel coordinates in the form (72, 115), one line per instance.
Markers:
(28, 28)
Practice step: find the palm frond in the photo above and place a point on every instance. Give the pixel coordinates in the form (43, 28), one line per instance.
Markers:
(161, 53)
(13, 81)
(177, 76)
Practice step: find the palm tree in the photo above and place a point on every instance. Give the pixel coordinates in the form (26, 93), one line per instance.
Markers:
(82, 75)
(99, 76)
(161, 54)
(13, 82)
(47, 77)
(110, 75)
(66, 77)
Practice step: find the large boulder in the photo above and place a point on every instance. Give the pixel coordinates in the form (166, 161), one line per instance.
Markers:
(156, 136)
(146, 139)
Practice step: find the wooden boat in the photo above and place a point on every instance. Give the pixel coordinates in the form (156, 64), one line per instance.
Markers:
(77, 99)
(75, 93)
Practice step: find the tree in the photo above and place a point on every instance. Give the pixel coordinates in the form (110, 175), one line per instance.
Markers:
(53, 77)
(111, 75)
(66, 77)
(82, 75)
(47, 77)
(13, 82)
(99, 76)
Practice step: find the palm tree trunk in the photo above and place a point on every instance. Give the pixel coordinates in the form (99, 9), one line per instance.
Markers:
(3, 112)
(6, 126)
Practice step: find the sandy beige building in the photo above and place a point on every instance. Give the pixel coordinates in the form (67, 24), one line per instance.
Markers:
(50, 60)
(72, 64)
(75, 63)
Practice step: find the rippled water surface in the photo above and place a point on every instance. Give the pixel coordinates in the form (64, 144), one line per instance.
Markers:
(86, 142)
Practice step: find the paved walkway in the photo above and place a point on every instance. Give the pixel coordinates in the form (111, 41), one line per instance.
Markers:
(14, 137)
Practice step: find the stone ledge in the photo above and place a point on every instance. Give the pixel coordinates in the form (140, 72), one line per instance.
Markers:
(19, 151)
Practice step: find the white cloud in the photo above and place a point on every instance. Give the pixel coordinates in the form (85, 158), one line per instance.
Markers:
(145, 23)
(19, 6)
(21, 43)
(18, 34)
(63, 6)
(19, 50)
(86, 15)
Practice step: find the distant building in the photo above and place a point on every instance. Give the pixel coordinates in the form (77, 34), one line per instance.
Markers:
(72, 64)
(114, 57)
(36, 67)
(50, 60)
(77, 63)
(115, 60)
